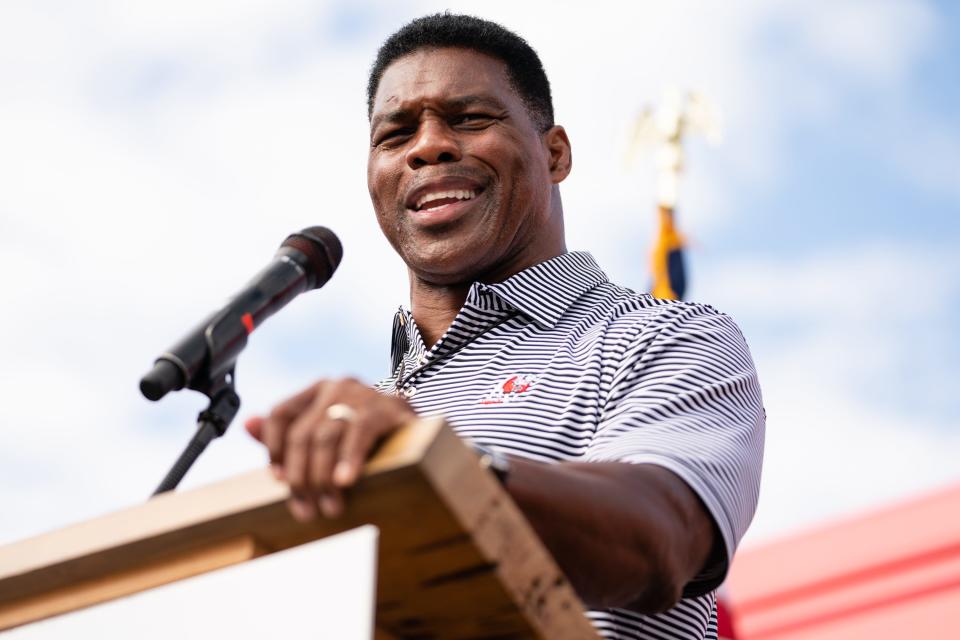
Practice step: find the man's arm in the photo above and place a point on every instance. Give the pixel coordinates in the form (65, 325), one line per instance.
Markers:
(627, 535)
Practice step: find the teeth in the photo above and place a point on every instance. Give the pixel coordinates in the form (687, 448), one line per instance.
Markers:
(459, 194)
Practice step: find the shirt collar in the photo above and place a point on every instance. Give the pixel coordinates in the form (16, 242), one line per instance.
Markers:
(405, 335)
(545, 291)
(542, 292)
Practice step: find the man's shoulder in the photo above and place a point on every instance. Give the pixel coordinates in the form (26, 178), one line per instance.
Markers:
(627, 326)
(571, 291)
(621, 307)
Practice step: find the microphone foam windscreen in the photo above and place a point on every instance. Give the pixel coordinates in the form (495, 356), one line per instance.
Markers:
(322, 249)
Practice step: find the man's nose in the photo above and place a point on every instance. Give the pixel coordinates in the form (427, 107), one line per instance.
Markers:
(434, 143)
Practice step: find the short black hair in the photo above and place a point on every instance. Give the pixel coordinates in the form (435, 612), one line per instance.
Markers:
(441, 30)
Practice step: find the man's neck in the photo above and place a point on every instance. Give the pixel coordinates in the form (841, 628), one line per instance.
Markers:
(435, 307)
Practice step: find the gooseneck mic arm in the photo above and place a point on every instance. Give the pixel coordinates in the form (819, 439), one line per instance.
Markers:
(205, 359)
(211, 424)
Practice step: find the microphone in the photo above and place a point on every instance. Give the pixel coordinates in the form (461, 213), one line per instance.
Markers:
(305, 261)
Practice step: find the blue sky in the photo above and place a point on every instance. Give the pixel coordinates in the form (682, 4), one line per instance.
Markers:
(826, 223)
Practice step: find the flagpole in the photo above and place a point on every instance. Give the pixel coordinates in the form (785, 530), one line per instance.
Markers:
(665, 129)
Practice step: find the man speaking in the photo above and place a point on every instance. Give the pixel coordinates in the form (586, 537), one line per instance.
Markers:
(629, 430)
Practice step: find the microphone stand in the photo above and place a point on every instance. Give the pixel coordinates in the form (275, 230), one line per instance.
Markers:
(212, 423)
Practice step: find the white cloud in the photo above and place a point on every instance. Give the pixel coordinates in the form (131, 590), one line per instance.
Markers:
(925, 150)
(853, 286)
(876, 41)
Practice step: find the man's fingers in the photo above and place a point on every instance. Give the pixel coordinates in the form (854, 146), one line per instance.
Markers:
(381, 417)
(354, 448)
(302, 508)
(331, 503)
(319, 439)
(311, 441)
(274, 430)
(323, 455)
(254, 426)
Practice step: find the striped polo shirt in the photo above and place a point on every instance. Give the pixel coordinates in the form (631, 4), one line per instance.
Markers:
(556, 363)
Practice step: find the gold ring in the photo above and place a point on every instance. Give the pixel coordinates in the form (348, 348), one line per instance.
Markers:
(341, 411)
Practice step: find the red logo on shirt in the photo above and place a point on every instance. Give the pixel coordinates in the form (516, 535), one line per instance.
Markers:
(510, 389)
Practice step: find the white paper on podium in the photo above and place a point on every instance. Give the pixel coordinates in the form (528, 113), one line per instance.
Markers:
(323, 589)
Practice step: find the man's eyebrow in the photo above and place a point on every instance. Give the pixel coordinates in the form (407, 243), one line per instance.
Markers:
(395, 116)
(462, 102)
(457, 103)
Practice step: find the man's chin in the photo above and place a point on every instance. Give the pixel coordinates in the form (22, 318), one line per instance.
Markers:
(444, 268)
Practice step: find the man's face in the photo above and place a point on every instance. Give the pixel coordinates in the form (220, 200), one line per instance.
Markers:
(459, 175)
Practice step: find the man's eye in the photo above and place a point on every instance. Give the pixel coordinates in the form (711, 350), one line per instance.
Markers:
(394, 136)
(473, 119)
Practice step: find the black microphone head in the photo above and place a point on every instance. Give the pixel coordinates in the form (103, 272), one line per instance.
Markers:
(321, 250)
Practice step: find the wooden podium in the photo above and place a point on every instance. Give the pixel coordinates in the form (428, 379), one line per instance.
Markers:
(456, 557)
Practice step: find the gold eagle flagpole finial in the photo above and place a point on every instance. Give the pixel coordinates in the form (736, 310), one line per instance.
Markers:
(664, 129)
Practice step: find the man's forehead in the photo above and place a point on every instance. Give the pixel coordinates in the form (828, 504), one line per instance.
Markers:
(401, 111)
(452, 76)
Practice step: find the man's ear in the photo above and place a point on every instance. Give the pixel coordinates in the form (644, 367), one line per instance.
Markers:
(560, 155)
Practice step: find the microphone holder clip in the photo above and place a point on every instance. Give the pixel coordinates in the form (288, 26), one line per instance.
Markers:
(212, 423)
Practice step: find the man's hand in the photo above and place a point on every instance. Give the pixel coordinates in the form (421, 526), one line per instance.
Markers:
(319, 439)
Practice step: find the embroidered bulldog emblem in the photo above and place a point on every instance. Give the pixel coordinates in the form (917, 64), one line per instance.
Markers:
(510, 389)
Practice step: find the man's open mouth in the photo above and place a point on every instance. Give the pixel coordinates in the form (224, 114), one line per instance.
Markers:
(437, 199)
